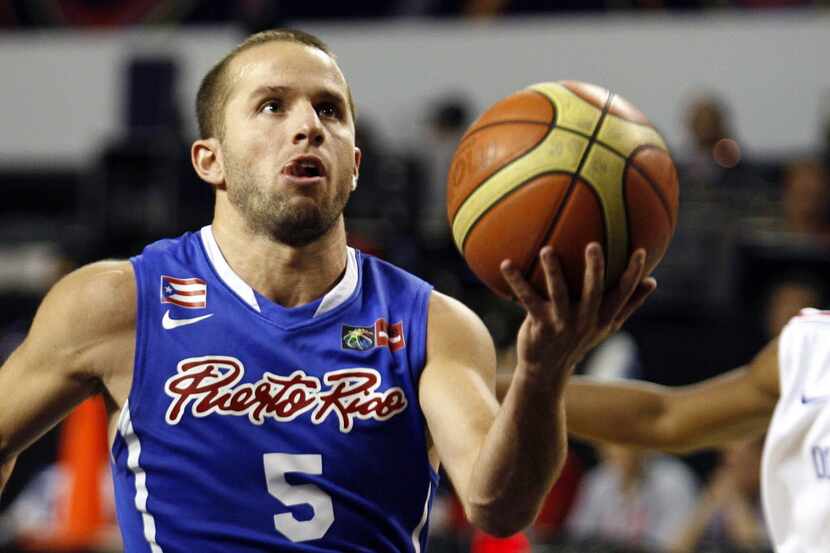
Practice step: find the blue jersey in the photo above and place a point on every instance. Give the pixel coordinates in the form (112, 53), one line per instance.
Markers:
(251, 427)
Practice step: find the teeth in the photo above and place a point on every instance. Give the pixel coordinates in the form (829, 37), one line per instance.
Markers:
(305, 168)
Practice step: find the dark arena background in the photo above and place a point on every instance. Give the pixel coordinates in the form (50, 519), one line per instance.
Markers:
(96, 120)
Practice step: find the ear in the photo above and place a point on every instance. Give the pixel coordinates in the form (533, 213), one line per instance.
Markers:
(206, 157)
(358, 155)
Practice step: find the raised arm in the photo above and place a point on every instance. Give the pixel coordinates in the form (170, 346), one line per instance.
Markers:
(503, 460)
(77, 339)
(679, 419)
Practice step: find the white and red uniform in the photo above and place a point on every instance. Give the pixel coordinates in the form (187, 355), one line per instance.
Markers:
(796, 465)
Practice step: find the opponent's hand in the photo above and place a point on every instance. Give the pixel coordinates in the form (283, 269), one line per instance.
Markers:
(555, 334)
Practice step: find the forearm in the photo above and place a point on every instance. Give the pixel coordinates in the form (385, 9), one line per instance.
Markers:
(679, 419)
(619, 412)
(521, 457)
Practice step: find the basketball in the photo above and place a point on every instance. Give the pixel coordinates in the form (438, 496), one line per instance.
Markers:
(561, 163)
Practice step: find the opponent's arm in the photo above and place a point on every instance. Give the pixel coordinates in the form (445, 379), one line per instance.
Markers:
(503, 460)
(69, 350)
(678, 419)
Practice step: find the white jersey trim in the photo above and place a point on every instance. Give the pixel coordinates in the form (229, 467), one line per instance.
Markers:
(343, 290)
(233, 280)
(336, 296)
(125, 428)
(416, 533)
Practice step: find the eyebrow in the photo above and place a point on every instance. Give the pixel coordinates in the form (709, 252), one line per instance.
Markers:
(267, 90)
(276, 90)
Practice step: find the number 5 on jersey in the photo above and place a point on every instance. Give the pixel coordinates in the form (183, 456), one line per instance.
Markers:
(276, 467)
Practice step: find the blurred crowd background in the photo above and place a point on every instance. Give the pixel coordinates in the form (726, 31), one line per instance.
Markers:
(750, 250)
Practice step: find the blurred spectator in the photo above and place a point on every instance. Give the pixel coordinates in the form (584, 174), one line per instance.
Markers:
(380, 219)
(707, 122)
(792, 245)
(634, 498)
(447, 121)
(805, 200)
(729, 515)
(142, 185)
(719, 186)
(787, 297)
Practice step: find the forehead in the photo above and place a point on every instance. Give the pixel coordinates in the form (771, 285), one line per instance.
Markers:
(282, 63)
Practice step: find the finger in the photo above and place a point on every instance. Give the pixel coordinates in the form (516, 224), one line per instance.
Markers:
(644, 289)
(630, 279)
(557, 288)
(594, 282)
(522, 290)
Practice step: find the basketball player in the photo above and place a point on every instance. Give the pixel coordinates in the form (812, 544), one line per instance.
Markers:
(784, 390)
(272, 389)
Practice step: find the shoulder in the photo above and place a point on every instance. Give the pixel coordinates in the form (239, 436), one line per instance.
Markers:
(455, 331)
(89, 303)
(106, 288)
(808, 322)
(447, 313)
(803, 346)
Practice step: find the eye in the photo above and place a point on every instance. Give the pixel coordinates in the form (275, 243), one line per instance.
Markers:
(329, 110)
(271, 106)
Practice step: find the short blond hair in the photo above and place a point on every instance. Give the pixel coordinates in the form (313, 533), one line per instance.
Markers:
(214, 89)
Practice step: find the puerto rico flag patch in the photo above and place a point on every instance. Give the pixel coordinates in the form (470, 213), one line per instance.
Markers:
(184, 292)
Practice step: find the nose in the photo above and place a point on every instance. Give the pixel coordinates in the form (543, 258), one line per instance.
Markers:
(309, 128)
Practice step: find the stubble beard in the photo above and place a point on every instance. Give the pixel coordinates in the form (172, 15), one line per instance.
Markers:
(270, 212)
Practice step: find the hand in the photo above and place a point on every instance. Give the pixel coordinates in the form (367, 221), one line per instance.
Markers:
(555, 335)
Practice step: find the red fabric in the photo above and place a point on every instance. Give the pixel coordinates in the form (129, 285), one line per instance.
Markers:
(483, 543)
(559, 501)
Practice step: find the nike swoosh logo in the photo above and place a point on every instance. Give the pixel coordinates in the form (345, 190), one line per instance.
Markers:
(169, 323)
(815, 399)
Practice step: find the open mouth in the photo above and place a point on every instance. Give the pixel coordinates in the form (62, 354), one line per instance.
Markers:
(305, 167)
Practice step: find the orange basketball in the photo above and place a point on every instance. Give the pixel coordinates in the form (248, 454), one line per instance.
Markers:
(561, 163)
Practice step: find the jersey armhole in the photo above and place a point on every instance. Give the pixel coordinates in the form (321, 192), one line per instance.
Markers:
(417, 354)
(136, 383)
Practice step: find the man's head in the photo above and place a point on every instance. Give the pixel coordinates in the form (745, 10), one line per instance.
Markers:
(277, 143)
(707, 121)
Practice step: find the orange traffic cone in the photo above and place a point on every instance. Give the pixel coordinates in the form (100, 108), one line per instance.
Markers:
(82, 512)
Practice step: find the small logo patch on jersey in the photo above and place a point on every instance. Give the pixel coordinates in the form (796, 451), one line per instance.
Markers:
(184, 292)
(359, 338)
(389, 336)
(805, 399)
(381, 335)
(169, 323)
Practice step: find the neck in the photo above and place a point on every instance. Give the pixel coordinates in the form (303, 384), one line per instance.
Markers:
(289, 276)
